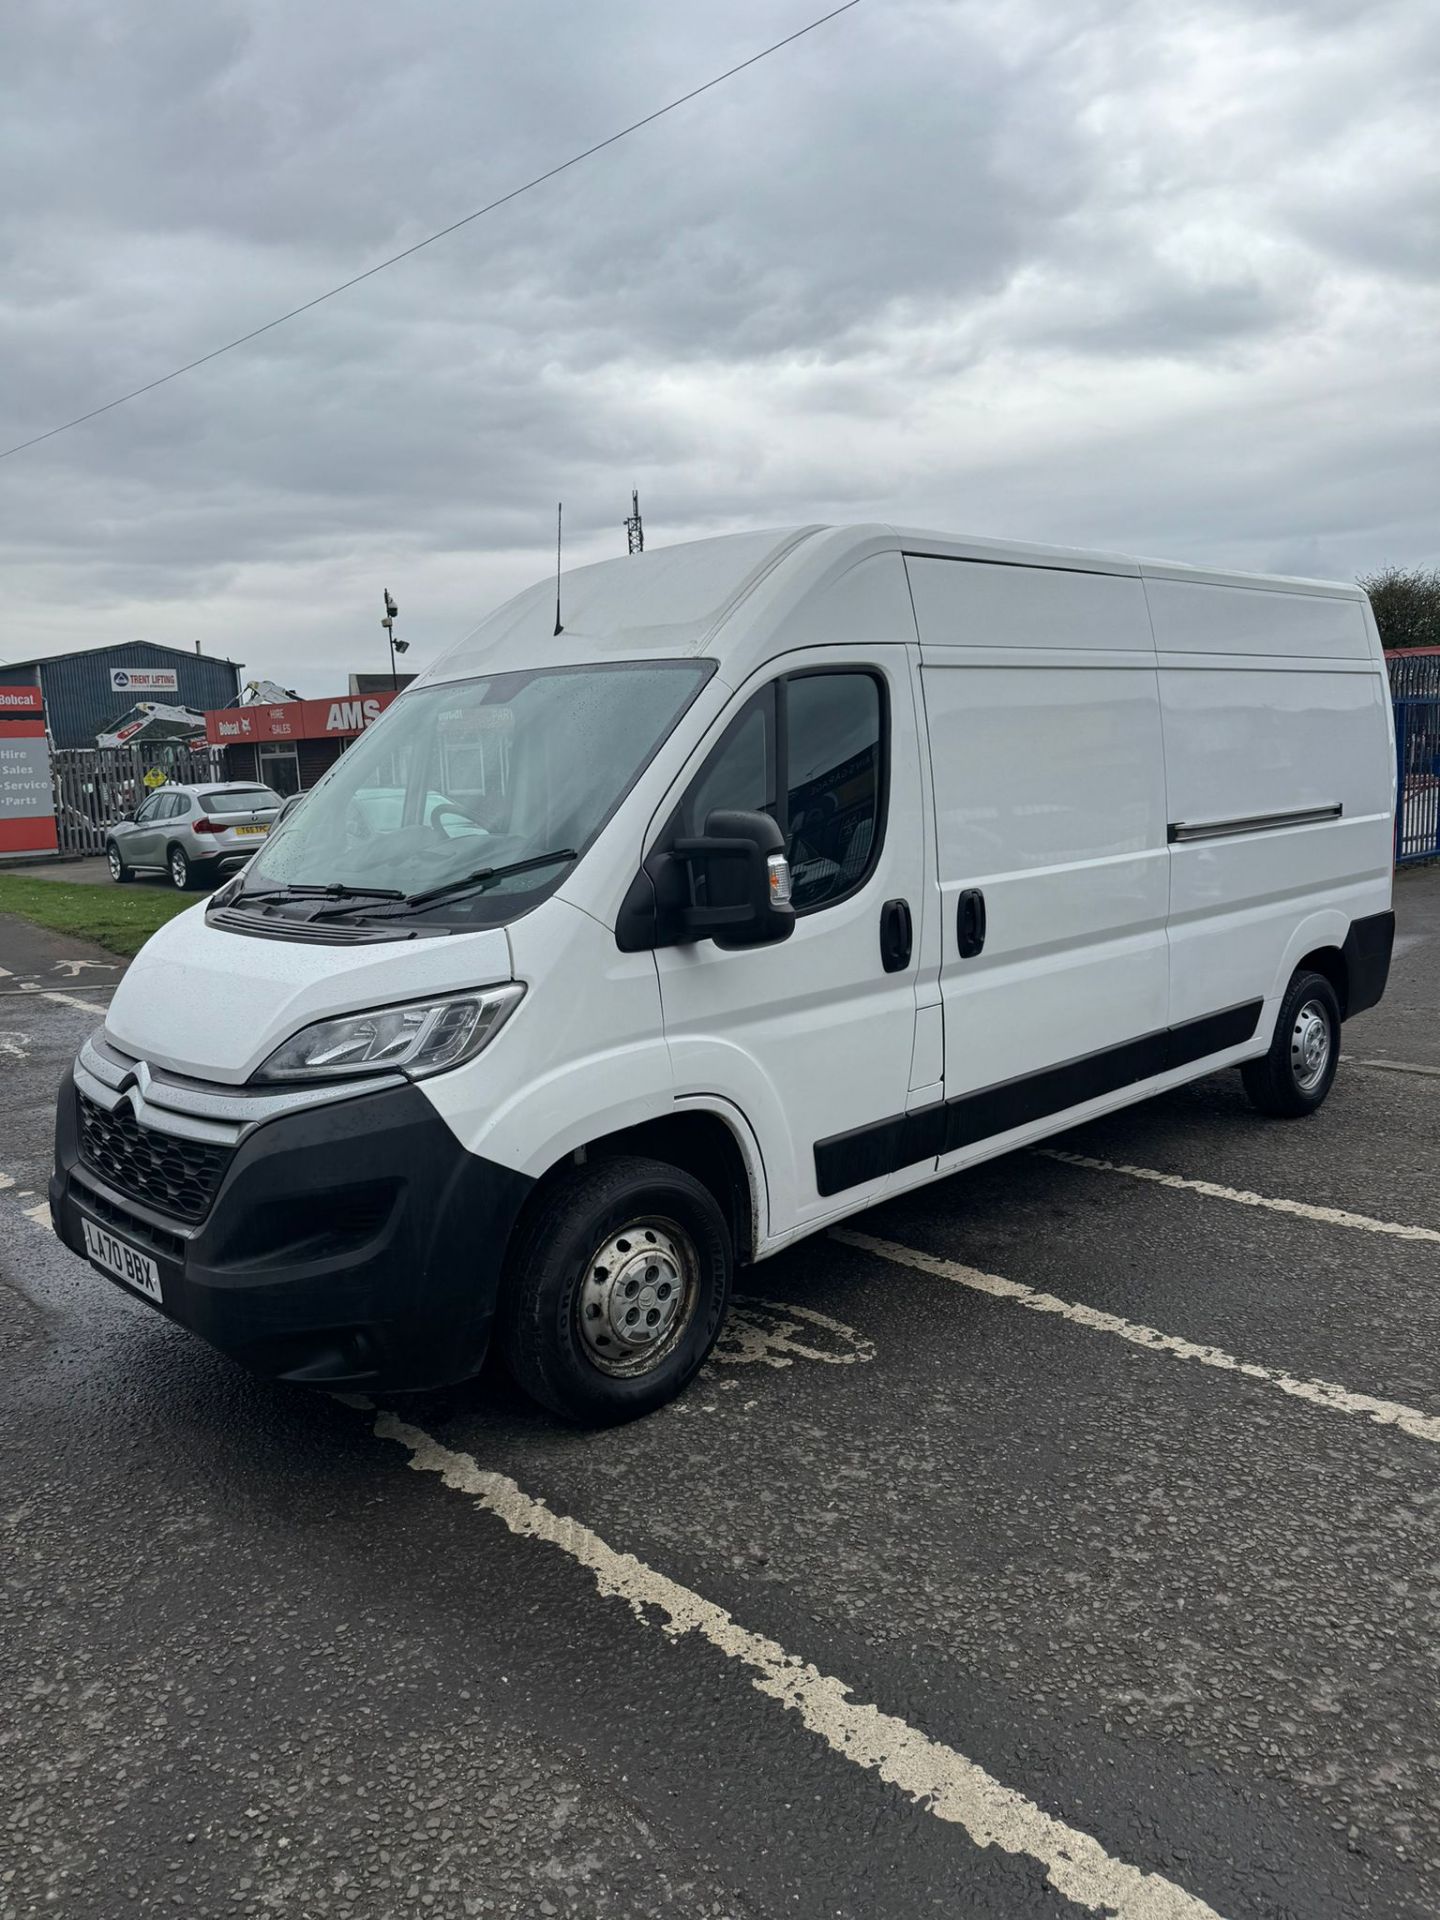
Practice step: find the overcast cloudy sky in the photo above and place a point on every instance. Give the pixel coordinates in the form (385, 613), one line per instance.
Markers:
(1154, 275)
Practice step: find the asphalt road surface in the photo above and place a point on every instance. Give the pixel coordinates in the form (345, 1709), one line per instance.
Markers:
(1062, 1539)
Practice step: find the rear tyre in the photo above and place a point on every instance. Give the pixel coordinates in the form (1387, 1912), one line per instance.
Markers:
(1294, 1077)
(119, 872)
(615, 1290)
(177, 864)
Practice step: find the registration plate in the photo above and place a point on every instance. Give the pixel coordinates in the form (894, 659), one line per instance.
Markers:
(252, 829)
(136, 1269)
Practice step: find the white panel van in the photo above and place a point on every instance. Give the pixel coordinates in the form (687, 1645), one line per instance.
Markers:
(791, 870)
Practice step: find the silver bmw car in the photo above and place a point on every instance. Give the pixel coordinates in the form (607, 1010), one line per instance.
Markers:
(192, 833)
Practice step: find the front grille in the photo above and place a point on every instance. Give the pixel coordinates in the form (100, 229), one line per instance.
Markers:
(126, 1221)
(174, 1175)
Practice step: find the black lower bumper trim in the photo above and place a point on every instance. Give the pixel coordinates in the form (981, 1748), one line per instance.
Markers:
(1367, 950)
(357, 1244)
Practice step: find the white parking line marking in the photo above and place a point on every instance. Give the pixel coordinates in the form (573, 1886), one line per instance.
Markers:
(69, 999)
(1319, 1393)
(39, 1214)
(1392, 1066)
(763, 1333)
(1327, 1216)
(938, 1778)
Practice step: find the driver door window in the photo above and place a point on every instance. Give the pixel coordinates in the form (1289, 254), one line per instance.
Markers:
(809, 750)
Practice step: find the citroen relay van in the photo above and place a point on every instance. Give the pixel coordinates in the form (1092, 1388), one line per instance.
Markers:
(786, 872)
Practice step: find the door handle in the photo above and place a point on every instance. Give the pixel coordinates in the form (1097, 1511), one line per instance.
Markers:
(896, 935)
(970, 922)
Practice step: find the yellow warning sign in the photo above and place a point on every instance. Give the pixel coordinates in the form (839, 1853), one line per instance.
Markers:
(154, 777)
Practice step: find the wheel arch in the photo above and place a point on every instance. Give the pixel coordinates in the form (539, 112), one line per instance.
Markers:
(1316, 943)
(714, 1147)
(1330, 963)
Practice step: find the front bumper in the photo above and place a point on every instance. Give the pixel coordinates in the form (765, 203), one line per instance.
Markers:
(354, 1243)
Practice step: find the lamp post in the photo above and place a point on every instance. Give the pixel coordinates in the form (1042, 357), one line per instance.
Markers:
(396, 646)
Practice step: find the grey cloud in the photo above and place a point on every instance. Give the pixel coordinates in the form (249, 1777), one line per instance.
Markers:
(1084, 274)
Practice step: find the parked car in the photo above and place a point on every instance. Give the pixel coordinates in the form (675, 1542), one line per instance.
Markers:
(818, 865)
(194, 834)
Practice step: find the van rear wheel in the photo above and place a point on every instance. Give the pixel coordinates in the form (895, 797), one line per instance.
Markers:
(1294, 1077)
(616, 1290)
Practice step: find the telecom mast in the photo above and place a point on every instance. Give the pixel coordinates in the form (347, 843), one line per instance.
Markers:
(634, 531)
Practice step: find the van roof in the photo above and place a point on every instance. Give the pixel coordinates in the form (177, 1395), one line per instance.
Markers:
(668, 602)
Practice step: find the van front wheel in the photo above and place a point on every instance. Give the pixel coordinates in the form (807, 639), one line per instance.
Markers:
(1293, 1078)
(615, 1290)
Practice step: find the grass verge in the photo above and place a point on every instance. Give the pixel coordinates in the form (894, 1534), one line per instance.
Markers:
(121, 919)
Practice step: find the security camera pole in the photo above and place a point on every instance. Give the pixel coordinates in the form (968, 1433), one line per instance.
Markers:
(396, 646)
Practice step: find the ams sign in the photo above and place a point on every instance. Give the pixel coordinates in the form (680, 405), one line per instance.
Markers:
(296, 720)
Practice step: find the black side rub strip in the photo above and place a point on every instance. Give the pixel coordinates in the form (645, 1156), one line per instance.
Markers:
(866, 1153)
(1180, 832)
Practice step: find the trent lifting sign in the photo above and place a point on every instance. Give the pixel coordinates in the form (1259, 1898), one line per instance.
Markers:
(144, 680)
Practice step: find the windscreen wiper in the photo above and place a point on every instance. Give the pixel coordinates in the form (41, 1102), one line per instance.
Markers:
(486, 874)
(481, 878)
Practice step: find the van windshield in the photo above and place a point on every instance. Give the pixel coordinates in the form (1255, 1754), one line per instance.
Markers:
(504, 780)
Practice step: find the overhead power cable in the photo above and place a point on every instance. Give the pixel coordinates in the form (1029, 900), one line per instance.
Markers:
(430, 239)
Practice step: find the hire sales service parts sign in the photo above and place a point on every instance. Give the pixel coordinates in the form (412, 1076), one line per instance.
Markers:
(27, 797)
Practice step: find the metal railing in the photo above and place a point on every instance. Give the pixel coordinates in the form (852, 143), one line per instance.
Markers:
(1414, 673)
(1417, 760)
(94, 786)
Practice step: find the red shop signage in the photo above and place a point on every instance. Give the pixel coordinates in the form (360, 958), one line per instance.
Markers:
(26, 700)
(296, 720)
(27, 797)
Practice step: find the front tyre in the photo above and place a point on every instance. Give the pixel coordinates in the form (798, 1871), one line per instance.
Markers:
(119, 872)
(1294, 1077)
(615, 1290)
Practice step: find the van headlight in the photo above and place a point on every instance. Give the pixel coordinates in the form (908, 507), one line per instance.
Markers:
(423, 1036)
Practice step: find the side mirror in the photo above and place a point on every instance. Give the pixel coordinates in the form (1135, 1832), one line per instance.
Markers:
(739, 882)
(288, 806)
(730, 885)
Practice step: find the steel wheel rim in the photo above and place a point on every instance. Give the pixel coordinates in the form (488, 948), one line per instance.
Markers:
(178, 870)
(637, 1297)
(1310, 1045)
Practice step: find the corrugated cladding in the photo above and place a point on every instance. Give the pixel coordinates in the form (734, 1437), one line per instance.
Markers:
(78, 698)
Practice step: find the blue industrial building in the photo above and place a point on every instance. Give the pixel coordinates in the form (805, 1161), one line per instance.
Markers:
(82, 697)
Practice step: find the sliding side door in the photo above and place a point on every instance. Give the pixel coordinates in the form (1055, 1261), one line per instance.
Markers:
(1043, 713)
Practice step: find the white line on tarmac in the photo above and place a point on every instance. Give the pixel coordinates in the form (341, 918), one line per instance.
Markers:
(1327, 1216)
(39, 1214)
(66, 1000)
(1391, 1066)
(940, 1780)
(1319, 1393)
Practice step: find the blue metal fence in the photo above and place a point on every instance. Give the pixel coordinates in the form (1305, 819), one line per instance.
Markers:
(1417, 757)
